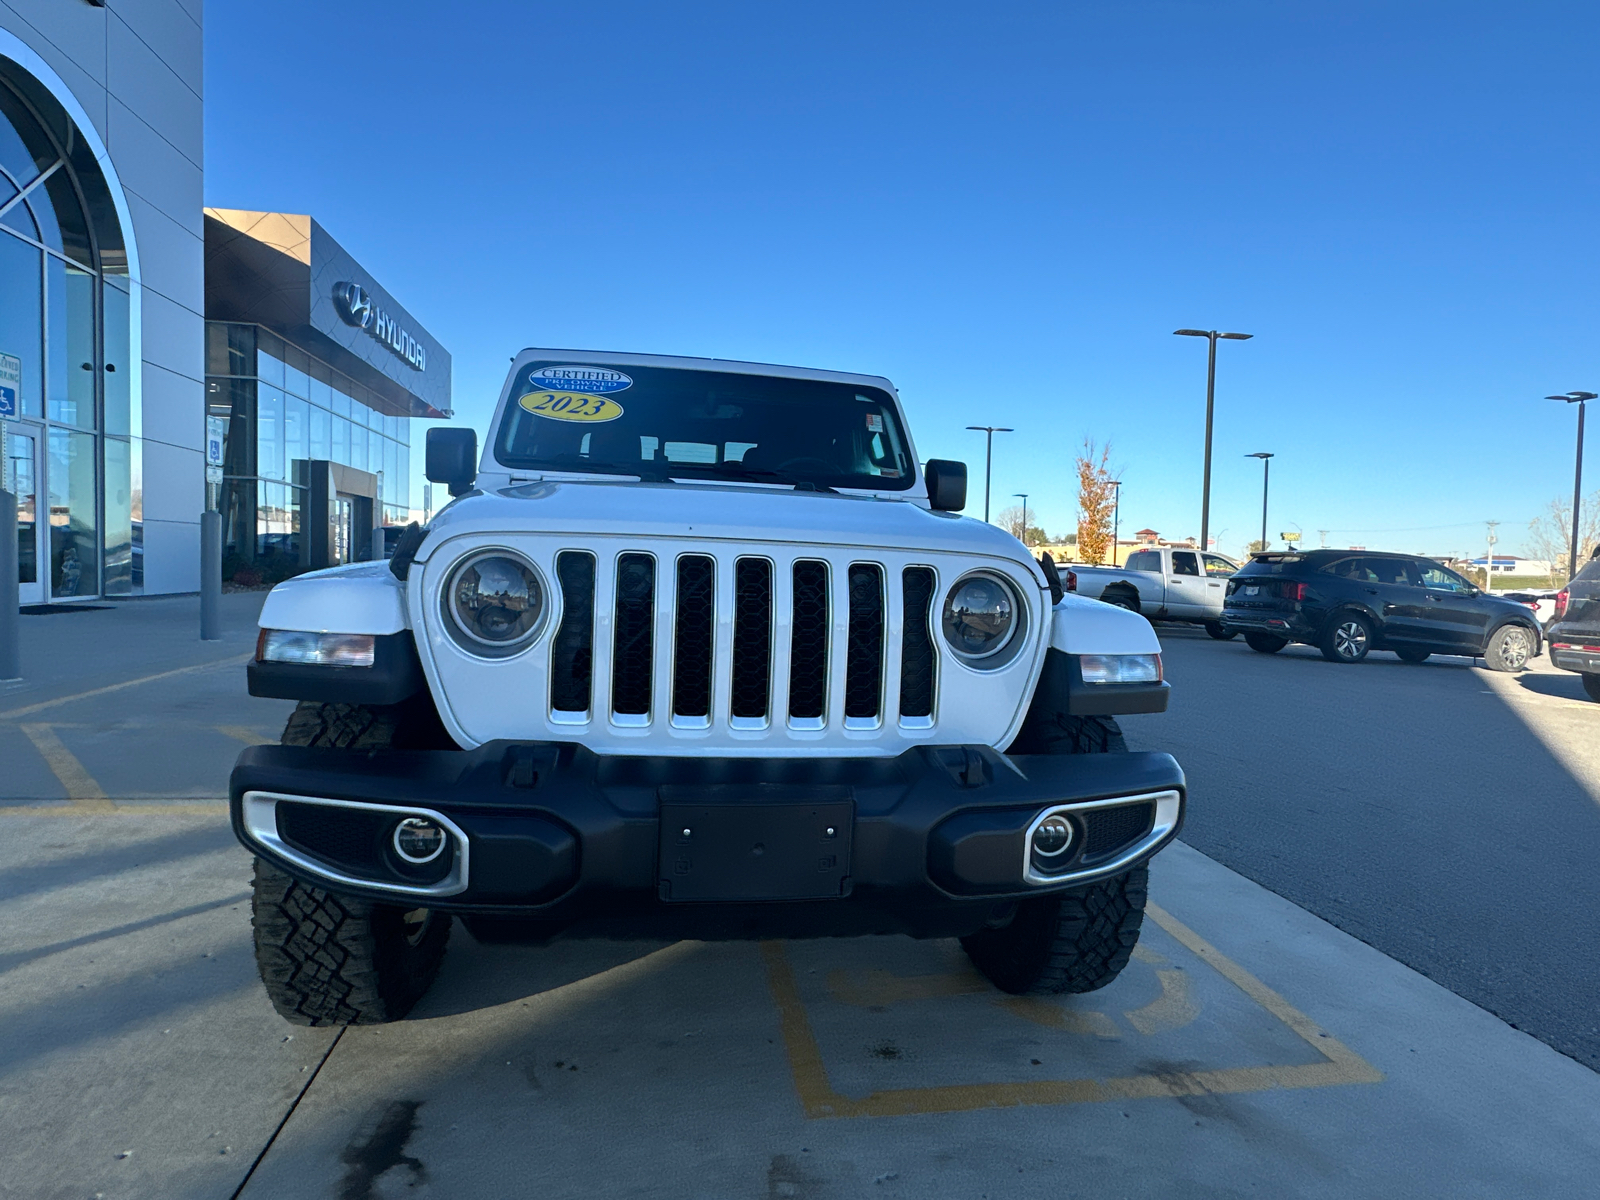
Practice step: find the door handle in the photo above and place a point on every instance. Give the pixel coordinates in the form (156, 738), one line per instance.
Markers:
(1372, 591)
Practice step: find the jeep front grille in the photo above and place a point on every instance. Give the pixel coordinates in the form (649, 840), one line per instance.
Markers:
(684, 632)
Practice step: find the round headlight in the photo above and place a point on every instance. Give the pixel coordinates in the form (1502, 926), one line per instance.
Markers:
(496, 601)
(980, 615)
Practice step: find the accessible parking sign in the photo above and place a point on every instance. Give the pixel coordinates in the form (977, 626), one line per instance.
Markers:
(10, 384)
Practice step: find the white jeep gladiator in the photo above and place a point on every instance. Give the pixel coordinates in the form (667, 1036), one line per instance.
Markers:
(698, 650)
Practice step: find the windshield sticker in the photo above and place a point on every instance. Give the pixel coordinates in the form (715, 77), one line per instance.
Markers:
(594, 381)
(571, 406)
(875, 422)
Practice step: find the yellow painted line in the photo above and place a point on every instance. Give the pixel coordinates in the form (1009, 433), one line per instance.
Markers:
(1339, 1065)
(121, 808)
(30, 709)
(250, 737)
(82, 790)
(1172, 1009)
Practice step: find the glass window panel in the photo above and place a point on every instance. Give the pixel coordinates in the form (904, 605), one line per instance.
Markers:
(55, 203)
(21, 312)
(118, 519)
(321, 432)
(401, 492)
(295, 379)
(269, 433)
(391, 469)
(321, 390)
(375, 444)
(21, 481)
(20, 219)
(235, 399)
(268, 366)
(69, 333)
(296, 435)
(24, 151)
(74, 556)
(341, 403)
(118, 369)
(278, 530)
(341, 441)
(358, 447)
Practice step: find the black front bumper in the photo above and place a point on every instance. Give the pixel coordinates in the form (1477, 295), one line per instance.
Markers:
(932, 843)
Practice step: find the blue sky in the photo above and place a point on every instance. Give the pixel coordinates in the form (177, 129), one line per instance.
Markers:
(1398, 201)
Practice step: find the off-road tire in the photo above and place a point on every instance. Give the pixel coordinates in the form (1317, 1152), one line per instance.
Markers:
(1591, 685)
(328, 959)
(1265, 643)
(1413, 656)
(1075, 941)
(1063, 733)
(331, 959)
(1218, 631)
(1501, 654)
(1348, 639)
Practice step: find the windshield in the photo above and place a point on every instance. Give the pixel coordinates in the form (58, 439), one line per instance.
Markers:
(661, 422)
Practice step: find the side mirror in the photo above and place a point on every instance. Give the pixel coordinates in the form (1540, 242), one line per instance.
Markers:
(947, 484)
(452, 458)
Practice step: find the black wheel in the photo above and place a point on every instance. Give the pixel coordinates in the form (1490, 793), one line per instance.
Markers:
(1413, 656)
(1073, 941)
(1216, 630)
(1076, 941)
(1509, 649)
(330, 959)
(1591, 685)
(1265, 642)
(1348, 638)
(1121, 599)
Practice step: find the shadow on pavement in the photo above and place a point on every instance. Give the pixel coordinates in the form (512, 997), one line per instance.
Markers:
(58, 873)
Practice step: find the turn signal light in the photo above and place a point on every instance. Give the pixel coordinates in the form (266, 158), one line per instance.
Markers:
(315, 649)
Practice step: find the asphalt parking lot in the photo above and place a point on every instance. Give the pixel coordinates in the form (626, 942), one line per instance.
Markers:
(1252, 1048)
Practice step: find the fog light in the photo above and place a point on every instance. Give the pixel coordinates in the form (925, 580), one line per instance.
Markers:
(1053, 836)
(418, 840)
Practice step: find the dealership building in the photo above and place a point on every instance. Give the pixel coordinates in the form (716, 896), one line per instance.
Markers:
(157, 357)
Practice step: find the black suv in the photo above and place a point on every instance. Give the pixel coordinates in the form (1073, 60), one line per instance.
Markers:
(1349, 602)
(1574, 632)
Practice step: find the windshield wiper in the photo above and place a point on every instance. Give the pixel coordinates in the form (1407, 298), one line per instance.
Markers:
(648, 472)
(757, 475)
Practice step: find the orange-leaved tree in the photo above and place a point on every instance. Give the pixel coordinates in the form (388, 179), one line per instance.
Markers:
(1096, 500)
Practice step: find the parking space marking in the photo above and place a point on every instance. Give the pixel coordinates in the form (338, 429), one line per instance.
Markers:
(29, 709)
(1340, 1065)
(83, 792)
(145, 806)
(250, 737)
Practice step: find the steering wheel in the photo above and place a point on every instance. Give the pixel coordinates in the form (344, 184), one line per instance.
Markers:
(788, 467)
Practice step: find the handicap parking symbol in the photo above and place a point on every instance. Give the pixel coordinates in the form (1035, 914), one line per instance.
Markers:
(10, 383)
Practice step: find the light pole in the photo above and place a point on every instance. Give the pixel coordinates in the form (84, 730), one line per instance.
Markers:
(988, 457)
(1024, 496)
(1488, 559)
(1211, 336)
(1116, 517)
(1580, 399)
(1266, 472)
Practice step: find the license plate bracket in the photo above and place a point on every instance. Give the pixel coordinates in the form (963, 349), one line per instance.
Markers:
(744, 851)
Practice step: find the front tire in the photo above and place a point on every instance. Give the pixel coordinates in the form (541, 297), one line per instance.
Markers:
(1509, 649)
(1591, 685)
(1217, 630)
(1075, 941)
(1413, 656)
(331, 959)
(1265, 643)
(1348, 638)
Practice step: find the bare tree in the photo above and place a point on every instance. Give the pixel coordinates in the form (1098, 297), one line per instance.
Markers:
(1550, 533)
(1096, 501)
(1010, 519)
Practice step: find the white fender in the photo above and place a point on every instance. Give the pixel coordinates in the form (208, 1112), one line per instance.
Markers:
(358, 598)
(1079, 625)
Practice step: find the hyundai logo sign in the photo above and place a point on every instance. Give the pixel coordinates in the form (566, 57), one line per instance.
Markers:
(355, 308)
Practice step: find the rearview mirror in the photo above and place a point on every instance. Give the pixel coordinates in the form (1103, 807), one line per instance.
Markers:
(452, 458)
(947, 484)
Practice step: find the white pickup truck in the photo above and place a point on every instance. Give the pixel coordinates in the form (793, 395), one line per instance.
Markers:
(1164, 583)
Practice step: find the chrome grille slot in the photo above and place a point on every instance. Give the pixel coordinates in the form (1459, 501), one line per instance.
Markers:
(863, 672)
(916, 646)
(808, 654)
(634, 641)
(752, 641)
(692, 639)
(572, 648)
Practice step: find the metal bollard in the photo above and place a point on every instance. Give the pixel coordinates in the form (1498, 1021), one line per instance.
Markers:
(10, 618)
(210, 576)
(377, 544)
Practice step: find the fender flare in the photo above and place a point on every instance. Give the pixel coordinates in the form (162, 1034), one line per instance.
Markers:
(1532, 626)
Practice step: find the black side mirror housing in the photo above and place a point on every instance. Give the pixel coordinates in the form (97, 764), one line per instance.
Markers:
(947, 484)
(452, 458)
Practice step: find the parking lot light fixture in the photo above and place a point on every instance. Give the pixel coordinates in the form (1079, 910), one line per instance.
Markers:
(1211, 336)
(1266, 474)
(1024, 496)
(988, 458)
(1580, 399)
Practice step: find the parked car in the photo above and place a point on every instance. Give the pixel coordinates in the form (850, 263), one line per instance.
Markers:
(660, 669)
(1542, 602)
(1164, 583)
(1574, 633)
(1348, 603)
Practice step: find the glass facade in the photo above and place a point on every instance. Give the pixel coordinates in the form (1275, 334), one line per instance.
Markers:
(272, 411)
(72, 448)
